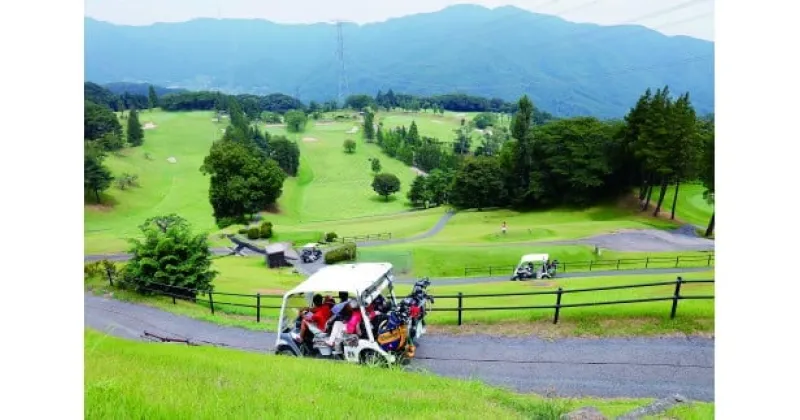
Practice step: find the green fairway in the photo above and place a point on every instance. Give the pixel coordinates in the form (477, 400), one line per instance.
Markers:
(692, 207)
(555, 224)
(330, 185)
(134, 380)
(439, 260)
(429, 124)
(165, 187)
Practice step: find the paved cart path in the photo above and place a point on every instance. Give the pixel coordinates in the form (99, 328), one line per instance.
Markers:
(636, 367)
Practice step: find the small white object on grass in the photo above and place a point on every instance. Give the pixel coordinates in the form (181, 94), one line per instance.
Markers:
(172, 160)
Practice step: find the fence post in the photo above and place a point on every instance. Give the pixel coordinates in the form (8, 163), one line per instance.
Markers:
(709, 261)
(646, 262)
(591, 263)
(258, 307)
(211, 301)
(173, 299)
(558, 305)
(490, 271)
(565, 266)
(110, 278)
(618, 260)
(460, 306)
(676, 297)
(465, 271)
(677, 260)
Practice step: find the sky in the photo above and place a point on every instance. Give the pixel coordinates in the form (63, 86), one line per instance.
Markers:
(693, 18)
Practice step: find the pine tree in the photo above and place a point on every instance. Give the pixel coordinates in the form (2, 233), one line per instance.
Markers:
(152, 97)
(135, 132)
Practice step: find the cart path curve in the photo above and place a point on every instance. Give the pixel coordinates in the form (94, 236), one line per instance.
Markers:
(608, 367)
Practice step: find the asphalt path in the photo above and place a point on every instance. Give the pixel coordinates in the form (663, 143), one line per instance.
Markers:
(610, 368)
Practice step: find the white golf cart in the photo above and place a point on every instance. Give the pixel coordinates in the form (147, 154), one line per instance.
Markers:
(536, 266)
(310, 252)
(362, 281)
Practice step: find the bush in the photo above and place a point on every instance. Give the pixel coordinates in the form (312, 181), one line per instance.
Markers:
(346, 252)
(331, 237)
(243, 231)
(253, 233)
(265, 230)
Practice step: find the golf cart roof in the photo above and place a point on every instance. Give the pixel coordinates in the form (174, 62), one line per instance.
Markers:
(352, 278)
(310, 245)
(534, 257)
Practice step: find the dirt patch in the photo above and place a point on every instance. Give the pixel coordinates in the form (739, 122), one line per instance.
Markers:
(352, 130)
(148, 126)
(271, 291)
(273, 209)
(545, 329)
(418, 171)
(309, 140)
(99, 207)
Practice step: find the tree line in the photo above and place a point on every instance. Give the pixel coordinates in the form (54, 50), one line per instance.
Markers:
(576, 161)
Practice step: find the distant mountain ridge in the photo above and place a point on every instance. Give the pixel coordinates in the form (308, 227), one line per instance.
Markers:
(566, 68)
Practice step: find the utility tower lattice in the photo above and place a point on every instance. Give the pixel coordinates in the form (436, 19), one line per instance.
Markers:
(344, 88)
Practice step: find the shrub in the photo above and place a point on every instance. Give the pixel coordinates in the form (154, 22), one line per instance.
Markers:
(265, 230)
(253, 233)
(243, 231)
(346, 252)
(331, 237)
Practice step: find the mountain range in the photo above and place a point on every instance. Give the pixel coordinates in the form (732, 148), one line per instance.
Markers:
(566, 68)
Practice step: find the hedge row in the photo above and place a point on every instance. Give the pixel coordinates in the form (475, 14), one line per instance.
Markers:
(346, 252)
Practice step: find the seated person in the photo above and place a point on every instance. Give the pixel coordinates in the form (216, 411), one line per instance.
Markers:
(346, 322)
(315, 318)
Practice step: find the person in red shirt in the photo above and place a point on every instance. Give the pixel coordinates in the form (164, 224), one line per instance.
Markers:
(315, 318)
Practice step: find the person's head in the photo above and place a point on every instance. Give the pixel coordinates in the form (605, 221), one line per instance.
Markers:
(343, 296)
(329, 301)
(317, 300)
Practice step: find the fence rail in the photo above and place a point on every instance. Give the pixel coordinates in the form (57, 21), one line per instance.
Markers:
(684, 261)
(367, 237)
(192, 295)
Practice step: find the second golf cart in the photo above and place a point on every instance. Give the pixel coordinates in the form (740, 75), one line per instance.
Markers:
(383, 340)
(535, 266)
(310, 253)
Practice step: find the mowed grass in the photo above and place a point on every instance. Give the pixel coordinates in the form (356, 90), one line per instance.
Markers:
(551, 225)
(692, 207)
(127, 379)
(440, 260)
(165, 187)
(694, 310)
(340, 183)
(430, 125)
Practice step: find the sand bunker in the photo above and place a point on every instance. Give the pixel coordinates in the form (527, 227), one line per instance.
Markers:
(309, 140)
(352, 130)
(172, 160)
(148, 126)
(436, 121)
(418, 171)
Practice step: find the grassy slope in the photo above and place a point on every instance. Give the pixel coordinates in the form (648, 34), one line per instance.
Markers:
(125, 379)
(165, 187)
(692, 207)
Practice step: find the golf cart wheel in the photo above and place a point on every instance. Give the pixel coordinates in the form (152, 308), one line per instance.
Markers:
(373, 358)
(285, 351)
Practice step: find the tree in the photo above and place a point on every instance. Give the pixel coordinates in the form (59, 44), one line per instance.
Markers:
(152, 98)
(706, 173)
(412, 138)
(295, 121)
(419, 194)
(521, 152)
(96, 176)
(358, 102)
(369, 126)
(686, 148)
(99, 120)
(242, 182)
(478, 184)
(386, 184)
(438, 183)
(135, 132)
(379, 136)
(286, 153)
(376, 165)
(170, 258)
(349, 146)
(428, 156)
(484, 120)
